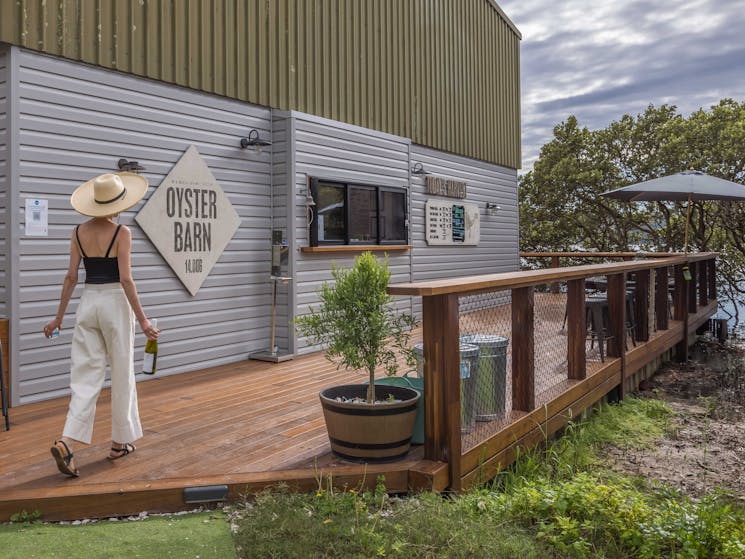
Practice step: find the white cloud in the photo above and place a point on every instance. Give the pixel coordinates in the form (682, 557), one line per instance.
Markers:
(600, 60)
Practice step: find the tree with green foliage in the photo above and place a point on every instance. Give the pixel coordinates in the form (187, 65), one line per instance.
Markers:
(561, 208)
(357, 321)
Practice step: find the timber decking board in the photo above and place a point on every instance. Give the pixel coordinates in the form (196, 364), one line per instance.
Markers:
(250, 417)
(253, 424)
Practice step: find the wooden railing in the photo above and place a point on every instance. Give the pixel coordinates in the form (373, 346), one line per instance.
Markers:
(586, 254)
(492, 447)
(555, 258)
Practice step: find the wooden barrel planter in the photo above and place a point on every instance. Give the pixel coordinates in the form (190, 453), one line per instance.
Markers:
(370, 432)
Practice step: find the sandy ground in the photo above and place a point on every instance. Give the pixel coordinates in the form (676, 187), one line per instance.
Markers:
(705, 446)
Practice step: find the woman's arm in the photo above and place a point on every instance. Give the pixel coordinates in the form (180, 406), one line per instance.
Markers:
(68, 286)
(124, 256)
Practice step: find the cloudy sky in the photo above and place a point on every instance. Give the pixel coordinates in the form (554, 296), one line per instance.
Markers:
(601, 59)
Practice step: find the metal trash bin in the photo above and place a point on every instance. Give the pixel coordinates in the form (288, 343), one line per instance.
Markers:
(491, 375)
(469, 355)
(469, 359)
(419, 356)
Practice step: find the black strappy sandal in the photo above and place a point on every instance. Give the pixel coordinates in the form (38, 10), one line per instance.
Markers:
(63, 457)
(128, 448)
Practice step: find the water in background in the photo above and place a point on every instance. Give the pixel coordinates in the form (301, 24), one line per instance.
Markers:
(727, 308)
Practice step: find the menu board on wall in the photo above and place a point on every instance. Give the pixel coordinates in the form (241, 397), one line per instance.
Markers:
(451, 223)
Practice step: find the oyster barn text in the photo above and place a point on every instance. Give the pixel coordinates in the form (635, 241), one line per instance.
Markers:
(192, 211)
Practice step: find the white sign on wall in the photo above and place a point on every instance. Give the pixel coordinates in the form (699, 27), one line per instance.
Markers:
(189, 220)
(451, 223)
(37, 217)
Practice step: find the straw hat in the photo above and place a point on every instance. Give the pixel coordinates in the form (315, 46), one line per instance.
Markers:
(109, 194)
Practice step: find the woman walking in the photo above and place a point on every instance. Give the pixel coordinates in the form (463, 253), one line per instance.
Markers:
(104, 321)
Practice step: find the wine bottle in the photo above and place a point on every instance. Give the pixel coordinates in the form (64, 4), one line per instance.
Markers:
(150, 357)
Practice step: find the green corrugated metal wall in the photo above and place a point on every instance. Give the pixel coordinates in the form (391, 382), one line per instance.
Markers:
(444, 73)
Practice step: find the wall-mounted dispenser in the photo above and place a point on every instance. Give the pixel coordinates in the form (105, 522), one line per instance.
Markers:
(280, 251)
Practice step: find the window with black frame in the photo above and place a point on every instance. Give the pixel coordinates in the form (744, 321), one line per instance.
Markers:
(357, 214)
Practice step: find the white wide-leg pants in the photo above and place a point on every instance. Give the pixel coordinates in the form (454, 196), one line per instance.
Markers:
(104, 330)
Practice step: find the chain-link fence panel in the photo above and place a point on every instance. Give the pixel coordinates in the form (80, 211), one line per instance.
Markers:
(550, 346)
(485, 356)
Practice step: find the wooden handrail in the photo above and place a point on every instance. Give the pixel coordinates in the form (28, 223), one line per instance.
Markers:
(692, 256)
(591, 254)
(527, 278)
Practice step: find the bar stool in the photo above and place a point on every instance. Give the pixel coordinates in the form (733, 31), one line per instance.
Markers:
(596, 315)
(596, 310)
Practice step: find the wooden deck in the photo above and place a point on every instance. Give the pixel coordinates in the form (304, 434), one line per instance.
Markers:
(254, 424)
(247, 425)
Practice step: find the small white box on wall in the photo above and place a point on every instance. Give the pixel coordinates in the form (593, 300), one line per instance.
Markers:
(37, 217)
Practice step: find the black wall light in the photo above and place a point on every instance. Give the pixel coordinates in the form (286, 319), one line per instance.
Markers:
(129, 166)
(492, 208)
(419, 170)
(255, 141)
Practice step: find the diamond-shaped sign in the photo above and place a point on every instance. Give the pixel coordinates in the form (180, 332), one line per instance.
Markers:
(189, 219)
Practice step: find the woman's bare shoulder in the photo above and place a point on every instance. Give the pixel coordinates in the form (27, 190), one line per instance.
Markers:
(124, 236)
(79, 228)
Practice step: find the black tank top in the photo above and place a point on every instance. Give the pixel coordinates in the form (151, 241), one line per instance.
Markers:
(100, 269)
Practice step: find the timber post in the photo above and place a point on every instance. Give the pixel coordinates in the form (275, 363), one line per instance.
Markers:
(523, 352)
(692, 289)
(617, 322)
(680, 311)
(703, 282)
(712, 268)
(641, 305)
(576, 330)
(441, 332)
(661, 296)
(555, 264)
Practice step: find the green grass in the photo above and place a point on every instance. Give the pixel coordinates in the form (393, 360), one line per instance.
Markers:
(556, 502)
(632, 423)
(204, 535)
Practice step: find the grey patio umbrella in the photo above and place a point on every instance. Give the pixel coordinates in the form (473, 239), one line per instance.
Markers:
(684, 186)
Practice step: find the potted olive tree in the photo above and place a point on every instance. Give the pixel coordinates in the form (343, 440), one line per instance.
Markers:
(362, 331)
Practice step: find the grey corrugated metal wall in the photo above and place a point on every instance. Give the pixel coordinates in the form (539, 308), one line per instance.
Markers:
(341, 152)
(4, 176)
(75, 122)
(442, 72)
(336, 151)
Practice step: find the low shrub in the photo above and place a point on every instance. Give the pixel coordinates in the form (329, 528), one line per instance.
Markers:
(592, 516)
